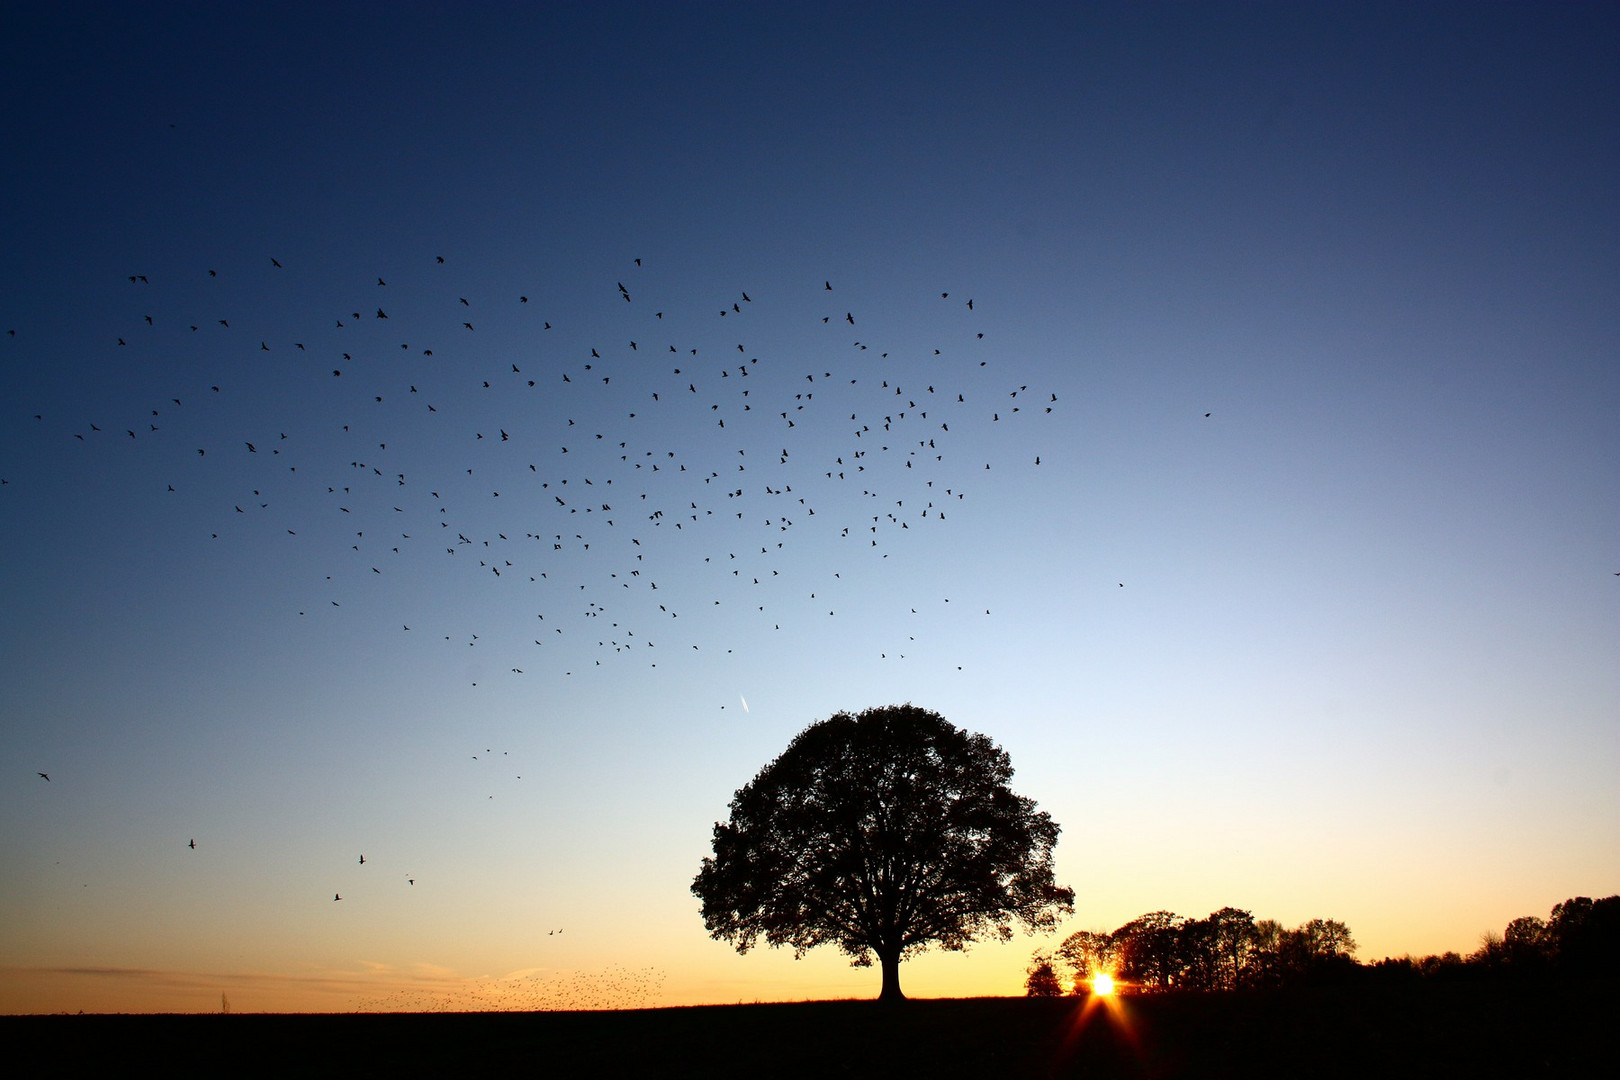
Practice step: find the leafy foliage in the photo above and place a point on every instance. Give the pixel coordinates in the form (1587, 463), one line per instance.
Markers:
(881, 833)
(1230, 949)
(1041, 978)
(1224, 951)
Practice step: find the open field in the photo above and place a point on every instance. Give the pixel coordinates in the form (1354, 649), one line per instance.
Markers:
(1419, 1030)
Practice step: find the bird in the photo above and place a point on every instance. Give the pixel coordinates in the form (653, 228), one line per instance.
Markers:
(44, 777)
(192, 845)
(362, 860)
(337, 896)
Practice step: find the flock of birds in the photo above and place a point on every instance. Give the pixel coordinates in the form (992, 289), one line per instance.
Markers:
(612, 988)
(643, 485)
(623, 477)
(655, 479)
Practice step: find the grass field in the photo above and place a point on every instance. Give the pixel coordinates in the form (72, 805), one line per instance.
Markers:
(1419, 1030)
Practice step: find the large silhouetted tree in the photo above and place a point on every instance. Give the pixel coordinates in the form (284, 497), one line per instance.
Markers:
(881, 833)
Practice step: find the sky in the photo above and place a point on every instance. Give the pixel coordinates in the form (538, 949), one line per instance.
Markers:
(523, 421)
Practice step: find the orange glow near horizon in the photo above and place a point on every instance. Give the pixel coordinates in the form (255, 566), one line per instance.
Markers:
(1102, 983)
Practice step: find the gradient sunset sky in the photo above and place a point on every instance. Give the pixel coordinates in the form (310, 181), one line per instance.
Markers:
(1263, 504)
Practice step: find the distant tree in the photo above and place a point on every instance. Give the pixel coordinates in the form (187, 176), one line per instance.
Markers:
(1265, 966)
(1233, 944)
(1150, 950)
(1160, 950)
(1446, 966)
(881, 833)
(1584, 936)
(1225, 950)
(1088, 952)
(1214, 953)
(1526, 931)
(1491, 958)
(1580, 939)
(1041, 978)
(1524, 945)
(1326, 939)
(1197, 955)
(1395, 969)
(1316, 951)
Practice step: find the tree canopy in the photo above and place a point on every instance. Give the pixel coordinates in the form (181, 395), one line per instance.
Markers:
(1224, 951)
(881, 833)
(1230, 949)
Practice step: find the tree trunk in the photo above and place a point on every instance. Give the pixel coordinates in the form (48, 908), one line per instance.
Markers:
(891, 975)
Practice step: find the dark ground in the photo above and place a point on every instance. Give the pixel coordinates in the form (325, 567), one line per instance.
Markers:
(1567, 1029)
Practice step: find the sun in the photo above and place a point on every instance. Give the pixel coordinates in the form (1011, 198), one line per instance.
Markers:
(1102, 984)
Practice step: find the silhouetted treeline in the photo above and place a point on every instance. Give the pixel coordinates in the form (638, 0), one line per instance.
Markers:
(1225, 950)
(1579, 940)
(1230, 949)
